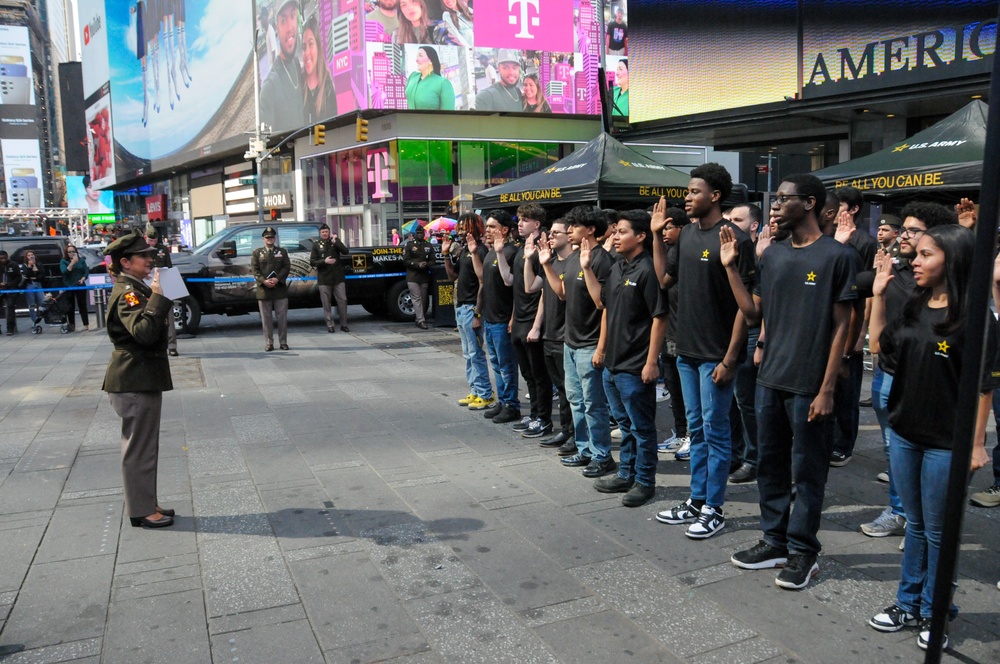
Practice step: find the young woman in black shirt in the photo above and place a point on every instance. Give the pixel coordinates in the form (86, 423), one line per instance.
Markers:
(927, 342)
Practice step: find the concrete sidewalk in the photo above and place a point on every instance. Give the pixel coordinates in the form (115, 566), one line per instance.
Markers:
(336, 505)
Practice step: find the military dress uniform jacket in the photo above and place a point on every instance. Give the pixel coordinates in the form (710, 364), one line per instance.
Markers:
(329, 275)
(263, 262)
(414, 253)
(137, 326)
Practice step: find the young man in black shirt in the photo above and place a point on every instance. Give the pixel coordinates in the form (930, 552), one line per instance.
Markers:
(526, 326)
(679, 443)
(711, 340)
(498, 307)
(553, 314)
(805, 292)
(632, 331)
(848, 394)
(580, 288)
(458, 265)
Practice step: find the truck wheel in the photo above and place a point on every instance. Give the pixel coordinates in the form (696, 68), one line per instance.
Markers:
(187, 315)
(400, 306)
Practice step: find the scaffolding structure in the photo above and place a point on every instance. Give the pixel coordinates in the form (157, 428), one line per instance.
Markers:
(76, 219)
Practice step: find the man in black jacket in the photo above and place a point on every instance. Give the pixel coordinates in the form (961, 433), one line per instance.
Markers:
(418, 256)
(10, 280)
(327, 256)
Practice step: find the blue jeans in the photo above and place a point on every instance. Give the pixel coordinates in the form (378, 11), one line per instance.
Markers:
(585, 393)
(501, 352)
(35, 296)
(922, 480)
(633, 405)
(790, 446)
(476, 373)
(881, 385)
(744, 389)
(707, 408)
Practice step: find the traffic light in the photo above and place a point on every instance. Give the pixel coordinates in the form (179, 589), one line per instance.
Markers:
(319, 134)
(361, 130)
(274, 215)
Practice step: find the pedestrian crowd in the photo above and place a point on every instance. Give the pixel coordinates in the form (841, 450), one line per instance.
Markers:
(757, 330)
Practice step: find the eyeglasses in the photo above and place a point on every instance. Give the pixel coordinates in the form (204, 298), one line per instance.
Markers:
(781, 199)
(911, 232)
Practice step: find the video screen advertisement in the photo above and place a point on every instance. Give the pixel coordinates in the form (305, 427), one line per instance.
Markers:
(100, 205)
(166, 81)
(323, 59)
(616, 51)
(19, 135)
(851, 46)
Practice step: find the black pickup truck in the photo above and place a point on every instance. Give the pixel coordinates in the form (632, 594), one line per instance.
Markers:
(215, 273)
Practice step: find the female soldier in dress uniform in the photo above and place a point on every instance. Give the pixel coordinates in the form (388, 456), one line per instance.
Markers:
(138, 373)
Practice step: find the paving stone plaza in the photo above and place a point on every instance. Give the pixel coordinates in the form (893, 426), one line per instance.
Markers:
(336, 505)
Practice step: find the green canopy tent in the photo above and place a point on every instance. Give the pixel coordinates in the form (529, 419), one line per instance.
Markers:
(604, 171)
(945, 156)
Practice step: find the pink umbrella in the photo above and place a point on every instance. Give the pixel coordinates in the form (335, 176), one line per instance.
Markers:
(441, 225)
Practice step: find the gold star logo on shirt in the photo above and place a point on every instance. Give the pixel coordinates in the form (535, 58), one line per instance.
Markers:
(811, 276)
(704, 254)
(900, 148)
(943, 347)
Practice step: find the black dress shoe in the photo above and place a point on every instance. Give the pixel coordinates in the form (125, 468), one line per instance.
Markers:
(745, 473)
(172, 352)
(422, 325)
(164, 511)
(567, 449)
(555, 441)
(146, 522)
(865, 403)
(268, 348)
(344, 328)
(331, 329)
(283, 346)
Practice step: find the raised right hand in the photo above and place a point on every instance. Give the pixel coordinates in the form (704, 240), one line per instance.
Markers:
(728, 250)
(659, 219)
(470, 243)
(544, 250)
(764, 239)
(529, 247)
(883, 273)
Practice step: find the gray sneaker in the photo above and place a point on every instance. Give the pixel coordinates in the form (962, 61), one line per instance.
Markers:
(988, 498)
(885, 525)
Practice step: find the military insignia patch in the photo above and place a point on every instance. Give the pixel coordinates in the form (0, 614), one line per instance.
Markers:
(132, 300)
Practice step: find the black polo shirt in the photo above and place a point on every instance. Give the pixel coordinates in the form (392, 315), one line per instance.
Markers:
(632, 297)
(583, 318)
(525, 304)
(498, 297)
(467, 284)
(554, 316)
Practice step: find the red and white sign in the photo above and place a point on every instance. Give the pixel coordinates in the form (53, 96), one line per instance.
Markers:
(156, 207)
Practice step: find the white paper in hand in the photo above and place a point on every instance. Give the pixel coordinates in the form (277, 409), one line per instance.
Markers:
(172, 284)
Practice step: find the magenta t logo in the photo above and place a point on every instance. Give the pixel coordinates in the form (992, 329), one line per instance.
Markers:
(524, 20)
(380, 173)
(538, 25)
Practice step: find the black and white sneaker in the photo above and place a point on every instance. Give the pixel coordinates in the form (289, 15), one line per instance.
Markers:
(892, 619)
(760, 556)
(800, 568)
(686, 512)
(522, 425)
(537, 429)
(924, 637)
(710, 521)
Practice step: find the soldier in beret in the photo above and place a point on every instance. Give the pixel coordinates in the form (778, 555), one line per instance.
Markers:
(162, 259)
(327, 256)
(138, 373)
(270, 267)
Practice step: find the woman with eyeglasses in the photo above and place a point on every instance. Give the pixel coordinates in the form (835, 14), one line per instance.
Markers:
(74, 271)
(927, 342)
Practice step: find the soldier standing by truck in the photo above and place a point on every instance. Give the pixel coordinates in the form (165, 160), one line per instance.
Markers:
(418, 256)
(327, 257)
(270, 267)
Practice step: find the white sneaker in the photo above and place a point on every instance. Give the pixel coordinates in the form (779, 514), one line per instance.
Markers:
(669, 444)
(683, 453)
(662, 394)
(710, 521)
(616, 434)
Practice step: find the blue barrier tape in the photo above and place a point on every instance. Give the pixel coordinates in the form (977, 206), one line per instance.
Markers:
(197, 280)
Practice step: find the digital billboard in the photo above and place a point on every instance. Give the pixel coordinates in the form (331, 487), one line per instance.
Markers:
(616, 43)
(700, 56)
(16, 85)
(165, 82)
(100, 205)
(19, 144)
(851, 45)
(320, 60)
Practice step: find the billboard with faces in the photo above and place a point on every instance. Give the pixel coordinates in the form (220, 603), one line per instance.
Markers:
(320, 60)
